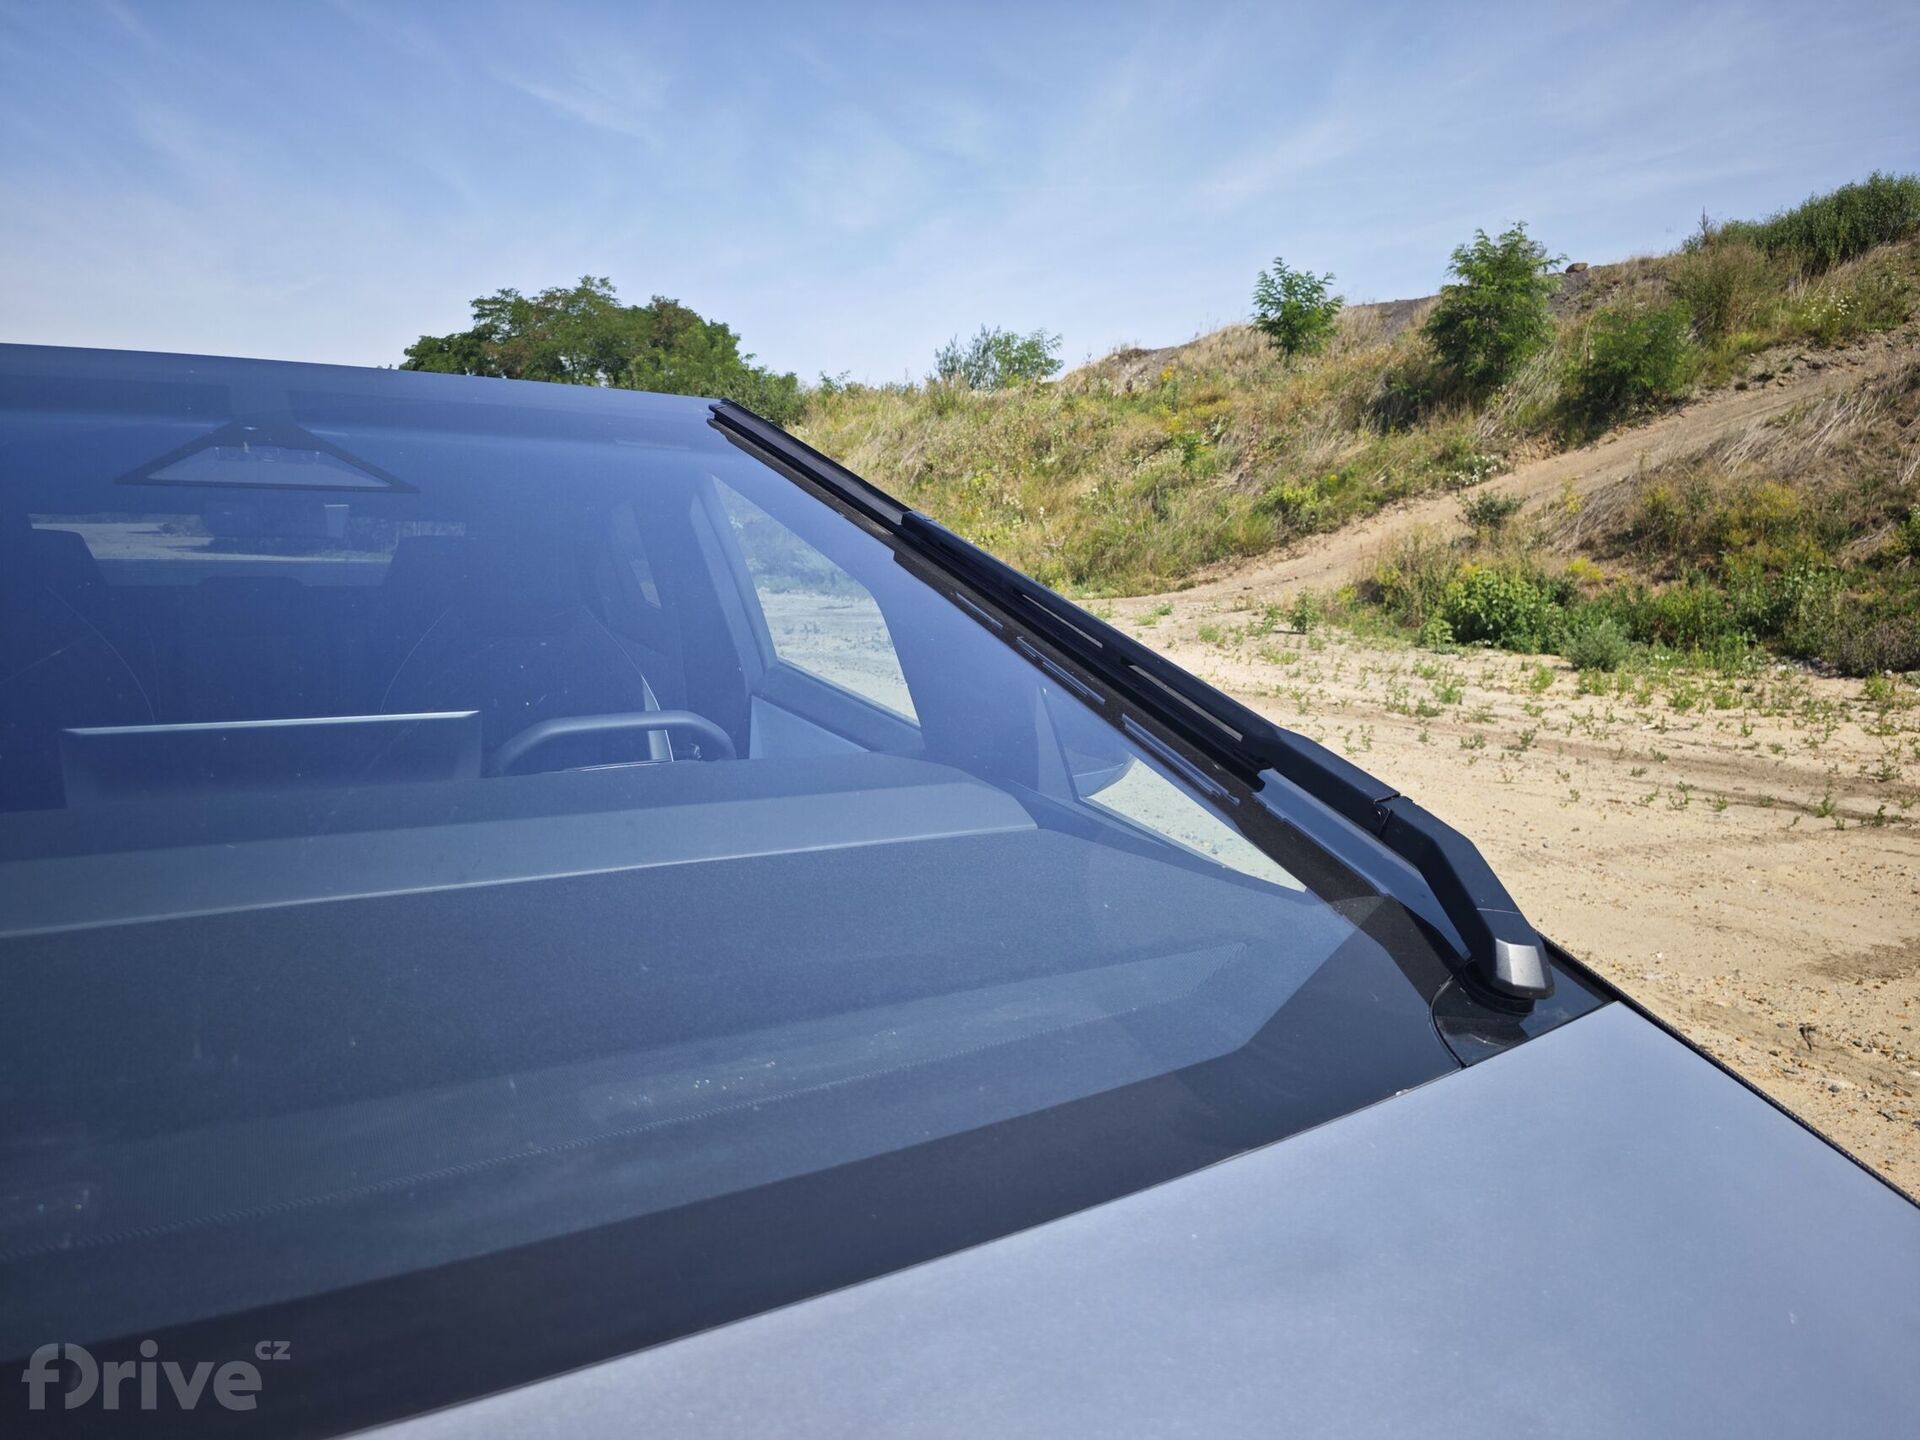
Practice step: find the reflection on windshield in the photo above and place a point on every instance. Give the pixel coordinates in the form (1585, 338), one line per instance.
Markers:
(1146, 797)
(300, 971)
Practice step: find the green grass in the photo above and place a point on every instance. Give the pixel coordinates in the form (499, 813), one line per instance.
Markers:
(1798, 539)
(1124, 478)
(1138, 472)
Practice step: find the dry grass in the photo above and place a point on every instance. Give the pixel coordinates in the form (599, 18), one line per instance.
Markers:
(1840, 472)
(1143, 470)
(1800, 533)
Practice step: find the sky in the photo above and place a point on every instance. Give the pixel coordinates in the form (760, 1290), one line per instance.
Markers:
(848, 187)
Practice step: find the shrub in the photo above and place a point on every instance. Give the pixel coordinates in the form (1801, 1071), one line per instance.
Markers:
(1724, 284)
(1460, 462)
(1690, 616)
(1852, 620)
(1304, 611)
(1909, 534)
(1595, 642)
(995, 358)
(1827, 229)
(1882, 301)
(1411, 578)
(1490, 512)
(1407, 391)
(1501, 607)
(1496, 316)
(1471, 472)
(1298, 506)
(1630, 357)
(777, 396)
(1868, 644)
(1294, 309)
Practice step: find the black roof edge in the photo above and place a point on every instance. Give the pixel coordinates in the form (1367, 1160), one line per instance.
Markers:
(1505, 952)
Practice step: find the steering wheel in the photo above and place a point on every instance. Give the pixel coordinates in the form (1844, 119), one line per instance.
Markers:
(715, 741)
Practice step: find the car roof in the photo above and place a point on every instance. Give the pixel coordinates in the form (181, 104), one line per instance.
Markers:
(153, 366)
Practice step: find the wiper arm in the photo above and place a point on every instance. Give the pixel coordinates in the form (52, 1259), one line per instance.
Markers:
(1503, 952)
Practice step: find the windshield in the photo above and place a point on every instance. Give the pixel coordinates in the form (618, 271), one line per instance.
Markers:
(440, 818)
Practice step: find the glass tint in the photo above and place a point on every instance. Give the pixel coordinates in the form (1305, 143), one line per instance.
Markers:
(587, 825)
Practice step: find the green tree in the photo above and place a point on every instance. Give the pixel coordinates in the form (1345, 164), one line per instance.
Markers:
(585, 336)
(997, 357)
(1293, 308)
(1496, 316)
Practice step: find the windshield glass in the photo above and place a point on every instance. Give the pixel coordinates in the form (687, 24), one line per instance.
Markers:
(442, 817)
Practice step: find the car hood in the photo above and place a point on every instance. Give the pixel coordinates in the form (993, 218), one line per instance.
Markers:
(1597, 1233)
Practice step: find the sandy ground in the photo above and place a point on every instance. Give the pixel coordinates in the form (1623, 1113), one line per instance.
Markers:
(1741, 856)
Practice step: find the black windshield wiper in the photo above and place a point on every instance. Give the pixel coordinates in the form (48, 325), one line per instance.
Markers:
(1503, 952)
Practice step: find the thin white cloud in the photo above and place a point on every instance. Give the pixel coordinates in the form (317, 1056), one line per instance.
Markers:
(1316, 146)
(849, 189)
(622, 94)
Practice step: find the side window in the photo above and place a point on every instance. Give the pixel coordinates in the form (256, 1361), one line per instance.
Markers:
(820, 618)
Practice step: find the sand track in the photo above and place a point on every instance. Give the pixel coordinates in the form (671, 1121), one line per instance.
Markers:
(1743, 872)
(1741, 856)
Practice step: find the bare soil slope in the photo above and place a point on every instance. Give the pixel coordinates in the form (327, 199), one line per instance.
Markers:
(1326, 561)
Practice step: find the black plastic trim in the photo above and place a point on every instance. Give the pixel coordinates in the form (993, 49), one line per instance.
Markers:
(1505, 954)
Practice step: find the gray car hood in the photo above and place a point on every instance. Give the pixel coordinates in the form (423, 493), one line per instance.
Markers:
(1597, 1234)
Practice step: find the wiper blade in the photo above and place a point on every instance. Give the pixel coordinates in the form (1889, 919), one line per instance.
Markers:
(1503, 952)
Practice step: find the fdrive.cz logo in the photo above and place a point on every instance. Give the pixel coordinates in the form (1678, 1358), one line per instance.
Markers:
(68, 1377)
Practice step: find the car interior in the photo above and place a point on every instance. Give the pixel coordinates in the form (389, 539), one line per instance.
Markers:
(612, 804)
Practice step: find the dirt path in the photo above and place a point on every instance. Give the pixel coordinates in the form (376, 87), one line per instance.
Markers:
(1326, 561)
(1742, 856)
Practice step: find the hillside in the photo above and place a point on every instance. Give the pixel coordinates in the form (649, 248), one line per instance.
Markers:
(1781, 514)
(1785, 516)
(1568, 502)
(1730, 839)
(1150, 470)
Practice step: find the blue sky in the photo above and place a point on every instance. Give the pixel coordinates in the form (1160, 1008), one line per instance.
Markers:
(849, 187)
